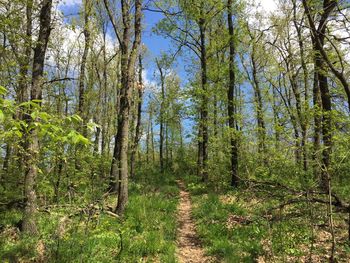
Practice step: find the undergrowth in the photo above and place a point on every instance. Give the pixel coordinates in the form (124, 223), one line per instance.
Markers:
(86, 233)
(243, 225)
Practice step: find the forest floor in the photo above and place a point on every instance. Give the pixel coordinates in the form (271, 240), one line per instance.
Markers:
(189, 249)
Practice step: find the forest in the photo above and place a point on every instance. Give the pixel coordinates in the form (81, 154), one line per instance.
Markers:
(175, 131)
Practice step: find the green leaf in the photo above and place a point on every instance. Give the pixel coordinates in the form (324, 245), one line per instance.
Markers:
(3, 90)
(92, 126)
(2, 116)
(44, 116)
(77, 118)
(18, 133)
(77, 138)
(34, 115)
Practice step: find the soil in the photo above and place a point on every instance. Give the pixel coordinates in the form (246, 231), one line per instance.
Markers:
(189, 249)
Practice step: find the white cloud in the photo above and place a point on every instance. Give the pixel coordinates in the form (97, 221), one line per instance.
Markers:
(259, 12)
(268, 5)
(149, 82)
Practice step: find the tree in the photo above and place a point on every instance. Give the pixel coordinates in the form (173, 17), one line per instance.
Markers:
(318, 38)
(128, 59)
(29, 216)
(87, 39)
(231, 99)
(140, 89)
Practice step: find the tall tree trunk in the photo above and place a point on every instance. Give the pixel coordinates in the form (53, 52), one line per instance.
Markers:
(59, 169)
(258, 105)
(148, 136)
(23, 87)
(81, 102)
(204, 102)
(6, 162)
(215, 115)
(304, 116)
(127, 76)
(138, 120)
(231, 101)
(298, 140)
(161, 122)
(200, 147)
(276, 118)
(152, 138)
(328, 7)
(317, 108)
(318, 37)
(105, 100)
(30, 210)
(22, 94)
(166, 145)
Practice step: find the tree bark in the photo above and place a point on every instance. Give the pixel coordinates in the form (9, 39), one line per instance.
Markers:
(22, 94)
(127, 78)
(86, 32)
(304, 120)
(161, 121)
(29, 217)
(259, 105)
(204, 102)
(231, 101)
(138, 120)
(318, 37)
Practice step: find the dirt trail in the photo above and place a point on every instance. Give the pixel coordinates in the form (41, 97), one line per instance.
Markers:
(189, 249)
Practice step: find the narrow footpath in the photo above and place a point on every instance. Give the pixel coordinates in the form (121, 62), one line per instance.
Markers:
(189, 249)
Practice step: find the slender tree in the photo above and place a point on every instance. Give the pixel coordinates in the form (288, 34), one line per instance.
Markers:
(29, 216)
(231, 99)
(138, 129)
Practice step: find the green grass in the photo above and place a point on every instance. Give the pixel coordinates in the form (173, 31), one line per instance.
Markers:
(278, 240)
(146, 232)
(239, 244)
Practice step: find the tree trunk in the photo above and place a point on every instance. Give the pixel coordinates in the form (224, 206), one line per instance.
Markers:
(167, 145)
(200, 147)
(81, 102)
(23, 89)
(161, 121)
(138, 121)
(317, 120)
(259, 106)
(304, 116)
(231, 101)
(152, 138)
(204, 102)
(30, 210)
(105, 100)
(318, 37)
(276, 118)
(215, 115)
(127, 77)
(7, 157)
(148, 136)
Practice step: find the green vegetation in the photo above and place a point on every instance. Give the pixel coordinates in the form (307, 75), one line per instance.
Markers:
(84, 232)
(249, 224)
(114, 115)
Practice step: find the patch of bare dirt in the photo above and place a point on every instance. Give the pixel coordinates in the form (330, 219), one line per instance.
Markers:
(189, 249)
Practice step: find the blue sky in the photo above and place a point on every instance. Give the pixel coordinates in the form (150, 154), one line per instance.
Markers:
(157, 44)
(154, 43)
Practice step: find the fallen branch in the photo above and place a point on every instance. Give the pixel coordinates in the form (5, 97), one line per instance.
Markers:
(111, 214)
(338, 203)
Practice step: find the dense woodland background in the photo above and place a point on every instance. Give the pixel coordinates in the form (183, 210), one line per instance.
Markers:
(250, 109)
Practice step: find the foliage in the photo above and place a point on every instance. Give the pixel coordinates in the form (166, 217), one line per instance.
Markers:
(84, 232)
